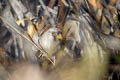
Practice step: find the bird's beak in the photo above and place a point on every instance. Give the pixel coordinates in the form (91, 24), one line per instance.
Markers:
(59, 36)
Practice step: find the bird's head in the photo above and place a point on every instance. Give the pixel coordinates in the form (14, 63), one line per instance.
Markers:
(55, 33)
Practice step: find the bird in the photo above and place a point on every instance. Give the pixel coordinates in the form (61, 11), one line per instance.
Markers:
(50, 40)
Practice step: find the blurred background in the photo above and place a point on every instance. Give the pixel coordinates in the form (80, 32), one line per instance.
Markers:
(60, 39)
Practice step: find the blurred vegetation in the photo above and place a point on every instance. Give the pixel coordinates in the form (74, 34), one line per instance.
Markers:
(60, 39)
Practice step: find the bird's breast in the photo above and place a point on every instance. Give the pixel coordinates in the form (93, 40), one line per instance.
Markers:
(48, 44)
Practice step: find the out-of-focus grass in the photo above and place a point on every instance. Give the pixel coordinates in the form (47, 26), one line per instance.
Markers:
(91, 66)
